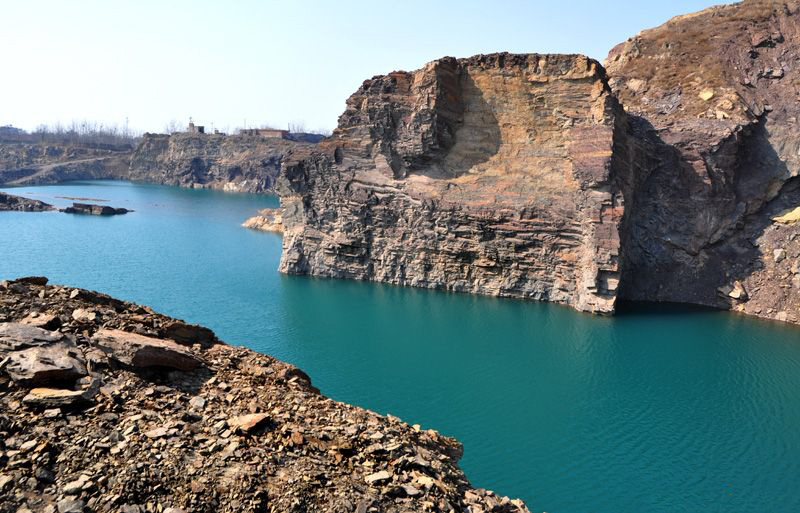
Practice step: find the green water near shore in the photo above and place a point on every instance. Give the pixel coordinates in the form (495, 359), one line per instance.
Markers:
(659, 409)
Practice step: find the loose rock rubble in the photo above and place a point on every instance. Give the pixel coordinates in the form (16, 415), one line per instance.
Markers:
(119, 417)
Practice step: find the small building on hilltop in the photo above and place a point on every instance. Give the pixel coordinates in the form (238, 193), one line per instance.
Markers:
(196, 129)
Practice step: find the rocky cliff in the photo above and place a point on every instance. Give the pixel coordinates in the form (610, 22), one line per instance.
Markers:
(241, 163)
(29, 163)
(107, 406)
(499, 174)
(718, 91)
(548, 177)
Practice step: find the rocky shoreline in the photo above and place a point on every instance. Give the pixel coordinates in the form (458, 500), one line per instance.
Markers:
(109, 406)
(267, 220)
(10, 202)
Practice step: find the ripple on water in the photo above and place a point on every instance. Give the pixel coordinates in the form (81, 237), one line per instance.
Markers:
(660, 409)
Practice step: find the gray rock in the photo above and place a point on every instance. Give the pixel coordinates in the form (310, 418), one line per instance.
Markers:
(15, 336)
(36, 356)
(71, 506)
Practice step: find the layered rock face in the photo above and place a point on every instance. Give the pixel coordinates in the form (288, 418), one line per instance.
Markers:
(521, 175)
(24, 163)
(240, 163)
(718, 91)
(107, 406)
(500, 174)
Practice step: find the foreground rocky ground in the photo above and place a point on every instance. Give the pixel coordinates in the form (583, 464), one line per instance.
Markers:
(108, 406)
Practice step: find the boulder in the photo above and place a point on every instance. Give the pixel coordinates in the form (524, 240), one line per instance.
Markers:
(247, 423)
(34, 356)
(53, 363)
(189, 334)
(140, 351)
(15, 336)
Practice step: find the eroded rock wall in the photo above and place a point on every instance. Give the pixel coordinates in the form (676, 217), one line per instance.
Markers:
(240, 163)
(494, 175)
(717, 92)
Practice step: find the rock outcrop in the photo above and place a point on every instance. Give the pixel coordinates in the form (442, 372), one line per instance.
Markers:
(672, 176)
(29, 163)
(150, 414)
(499, 174)
(94, 210)
(718, 92)
(20, 204)
(267, 220)
(239, 163)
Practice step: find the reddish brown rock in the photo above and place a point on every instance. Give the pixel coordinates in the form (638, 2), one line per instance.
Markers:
(247, 423)
(140, 351)
(716, 94)
(499, 174)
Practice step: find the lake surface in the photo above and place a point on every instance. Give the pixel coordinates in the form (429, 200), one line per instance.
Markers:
(660, 409)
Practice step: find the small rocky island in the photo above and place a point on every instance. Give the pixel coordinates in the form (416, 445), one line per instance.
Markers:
(109, 406)
(9, 202)
(94, 210)
(18, 203)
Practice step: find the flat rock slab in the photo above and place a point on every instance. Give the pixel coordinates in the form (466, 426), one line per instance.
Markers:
(34, 356)
(57, 397)
(140, 351)
(247, 423)
(16, 335)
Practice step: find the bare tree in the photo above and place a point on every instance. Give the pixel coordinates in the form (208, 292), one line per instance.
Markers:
(172, 126)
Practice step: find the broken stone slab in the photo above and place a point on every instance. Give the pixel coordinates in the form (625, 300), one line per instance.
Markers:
(84, 315)
(140, 351)
(247, 423)
(44, 321)
(378, 477)
(59, 398)
(189, 334)
(33, 356)
(15, 336)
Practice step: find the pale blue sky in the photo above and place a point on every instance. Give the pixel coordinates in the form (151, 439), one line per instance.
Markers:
(264, 61)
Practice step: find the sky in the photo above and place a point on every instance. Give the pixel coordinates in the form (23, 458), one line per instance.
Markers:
(230, 64)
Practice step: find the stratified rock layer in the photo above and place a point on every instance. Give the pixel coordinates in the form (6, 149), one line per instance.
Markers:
(240, 163)
(718, 91)
(147, 413)
(32, 163)
(499, 174)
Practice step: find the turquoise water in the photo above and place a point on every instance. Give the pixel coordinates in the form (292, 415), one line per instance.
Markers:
(660, 409)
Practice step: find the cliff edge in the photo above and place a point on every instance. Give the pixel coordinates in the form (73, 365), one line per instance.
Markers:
(500, 174)
(672, 175)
